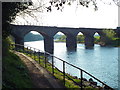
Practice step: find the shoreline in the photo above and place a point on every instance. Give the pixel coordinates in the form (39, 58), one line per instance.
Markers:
(101, 44)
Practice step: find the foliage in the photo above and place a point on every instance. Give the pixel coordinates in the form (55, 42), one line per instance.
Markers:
(109, 37)
(80, 38)
(57, 36)
(59, 4)
(109, 34)
(96, 39)
(5, 47)
(14, 73)
(9, 12)
(33, 37)
(61, 38)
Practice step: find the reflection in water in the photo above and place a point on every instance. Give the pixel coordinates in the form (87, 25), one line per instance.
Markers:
(102, 62)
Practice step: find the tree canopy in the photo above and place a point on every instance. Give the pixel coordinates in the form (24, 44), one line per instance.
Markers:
(9, 12)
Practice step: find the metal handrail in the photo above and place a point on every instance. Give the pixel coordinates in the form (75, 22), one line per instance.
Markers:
(53, 66)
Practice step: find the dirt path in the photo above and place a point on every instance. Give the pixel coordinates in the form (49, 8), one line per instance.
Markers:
(40, 77)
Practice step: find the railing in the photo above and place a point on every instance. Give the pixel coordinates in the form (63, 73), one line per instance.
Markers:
(36, 52)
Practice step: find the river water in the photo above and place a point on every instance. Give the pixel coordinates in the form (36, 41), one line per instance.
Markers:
(102, 62)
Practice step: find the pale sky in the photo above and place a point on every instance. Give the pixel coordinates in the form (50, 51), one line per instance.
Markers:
(78, 16)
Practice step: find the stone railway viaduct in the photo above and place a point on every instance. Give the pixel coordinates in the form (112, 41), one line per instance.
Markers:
(19, 31)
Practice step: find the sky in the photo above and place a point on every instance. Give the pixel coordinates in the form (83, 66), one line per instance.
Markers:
(77, 16)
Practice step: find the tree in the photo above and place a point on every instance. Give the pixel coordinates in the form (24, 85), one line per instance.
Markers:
(80, 38)
(62, 38)
(110, 36)
(9, 12)
(59, 4)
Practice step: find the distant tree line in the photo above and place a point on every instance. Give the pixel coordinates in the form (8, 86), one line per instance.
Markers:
(33, 37)
(37, 37)
(80, 39)
(111, 39)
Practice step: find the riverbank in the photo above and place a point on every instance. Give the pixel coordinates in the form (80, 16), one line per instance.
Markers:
(114, 44)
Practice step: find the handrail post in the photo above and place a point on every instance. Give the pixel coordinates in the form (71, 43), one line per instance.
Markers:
(39, 56)
(45, 59)
(23, 49)
(34, 53)
(20, 49)
(81, 73)
(53, 65)
(15, 47)
(30, 52)
(27, 51)
(64, 72)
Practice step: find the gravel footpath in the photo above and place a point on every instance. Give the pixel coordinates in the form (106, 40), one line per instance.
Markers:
(40, 77)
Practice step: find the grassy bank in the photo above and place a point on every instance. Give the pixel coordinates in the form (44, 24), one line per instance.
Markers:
(14, 73)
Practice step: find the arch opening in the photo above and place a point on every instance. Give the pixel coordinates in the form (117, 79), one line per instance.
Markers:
(34, 39)
(59, 42)
(59, 37)
(80, 38)
(97, 38)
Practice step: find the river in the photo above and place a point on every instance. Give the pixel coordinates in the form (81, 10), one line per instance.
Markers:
(102, 62)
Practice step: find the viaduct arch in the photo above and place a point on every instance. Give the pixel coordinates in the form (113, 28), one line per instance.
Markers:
(19, 31)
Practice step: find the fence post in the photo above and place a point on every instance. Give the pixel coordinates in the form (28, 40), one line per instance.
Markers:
(30, 52)
(15, 47)
(81, 73)
(23, 49)
(27, 51)
(45, 59)
(52, 65)
(39, 56)
(64, 72)
(34, 53)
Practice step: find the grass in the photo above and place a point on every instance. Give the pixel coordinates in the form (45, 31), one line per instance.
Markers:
(15, 73)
